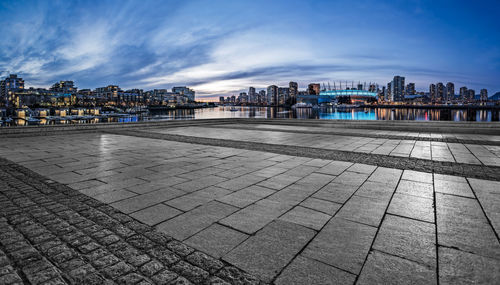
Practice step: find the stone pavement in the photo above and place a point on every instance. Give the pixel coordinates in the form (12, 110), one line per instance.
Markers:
(224, 203)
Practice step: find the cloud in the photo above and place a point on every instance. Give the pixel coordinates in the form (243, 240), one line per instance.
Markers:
(222, 47)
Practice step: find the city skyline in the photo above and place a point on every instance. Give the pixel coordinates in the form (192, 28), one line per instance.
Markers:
(222, 49)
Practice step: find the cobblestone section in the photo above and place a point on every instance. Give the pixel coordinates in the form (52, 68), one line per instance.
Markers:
(357, 133)
(52, 234)
(423, 165)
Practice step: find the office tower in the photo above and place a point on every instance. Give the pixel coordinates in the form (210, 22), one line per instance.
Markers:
(221, 100)
(313, 89)
(262, 96)
(283, 94)
(252, 98)
(243, 98)
(372, 88)
(463, 93)
(484, 95)
(272, 95)
(471, 94)
(410, 89)
(398, 85)
(440, 91)
(294, 89)
(381, 94)
(450, 91)
(432, 92)
(388, 95)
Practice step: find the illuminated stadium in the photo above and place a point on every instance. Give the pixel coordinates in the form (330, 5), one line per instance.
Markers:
(328, 96)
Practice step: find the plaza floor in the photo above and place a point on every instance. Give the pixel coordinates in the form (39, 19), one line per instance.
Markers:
(294, 218)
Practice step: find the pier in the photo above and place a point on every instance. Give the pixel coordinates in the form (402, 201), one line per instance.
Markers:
(251, 201)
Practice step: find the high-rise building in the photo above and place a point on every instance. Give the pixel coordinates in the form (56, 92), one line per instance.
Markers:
(294, 89)
(272, 95)
(484, 95)
(262, 97)
(243, 98)
(432, 92)
(410, 89)
(398, 87)
(372, 88)
(314, 89)
(8, 87)
(283, 94)
(471, 94)
(450, 91)
(360, 86)
(382, 94)
(388, 91)
(440, 95)
(252, 98)
(463, 93)
(221, 100)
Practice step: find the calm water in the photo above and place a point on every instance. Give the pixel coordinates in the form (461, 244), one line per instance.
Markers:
(303, 113)
(335, 114)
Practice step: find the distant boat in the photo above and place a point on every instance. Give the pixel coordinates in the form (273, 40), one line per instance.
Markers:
(32, 120)
(302, 105)
(233, 109)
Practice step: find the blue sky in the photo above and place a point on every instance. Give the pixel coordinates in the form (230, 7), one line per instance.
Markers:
(222, 47)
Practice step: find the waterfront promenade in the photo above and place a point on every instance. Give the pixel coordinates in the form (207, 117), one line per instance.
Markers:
(249, 201)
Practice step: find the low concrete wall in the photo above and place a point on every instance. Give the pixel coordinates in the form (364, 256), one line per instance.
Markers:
(489, 128)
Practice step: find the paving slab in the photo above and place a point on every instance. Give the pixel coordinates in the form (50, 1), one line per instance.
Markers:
(415, 188)
(343, 244)
(156, 214)
(488, 194)
(462, 224)
(414, 207)
(304, 270)
(459, 267)
(217, 240)
(323, 206)
(306, 217)
(189, 223)
(363, 210)
(271, 249)
(256, 216)
(453, 187)
(139, 202)
(381, 268)
(408, 239)
(335, 192)
(247, 196)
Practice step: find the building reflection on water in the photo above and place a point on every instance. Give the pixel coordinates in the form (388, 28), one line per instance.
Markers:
(327, 113)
